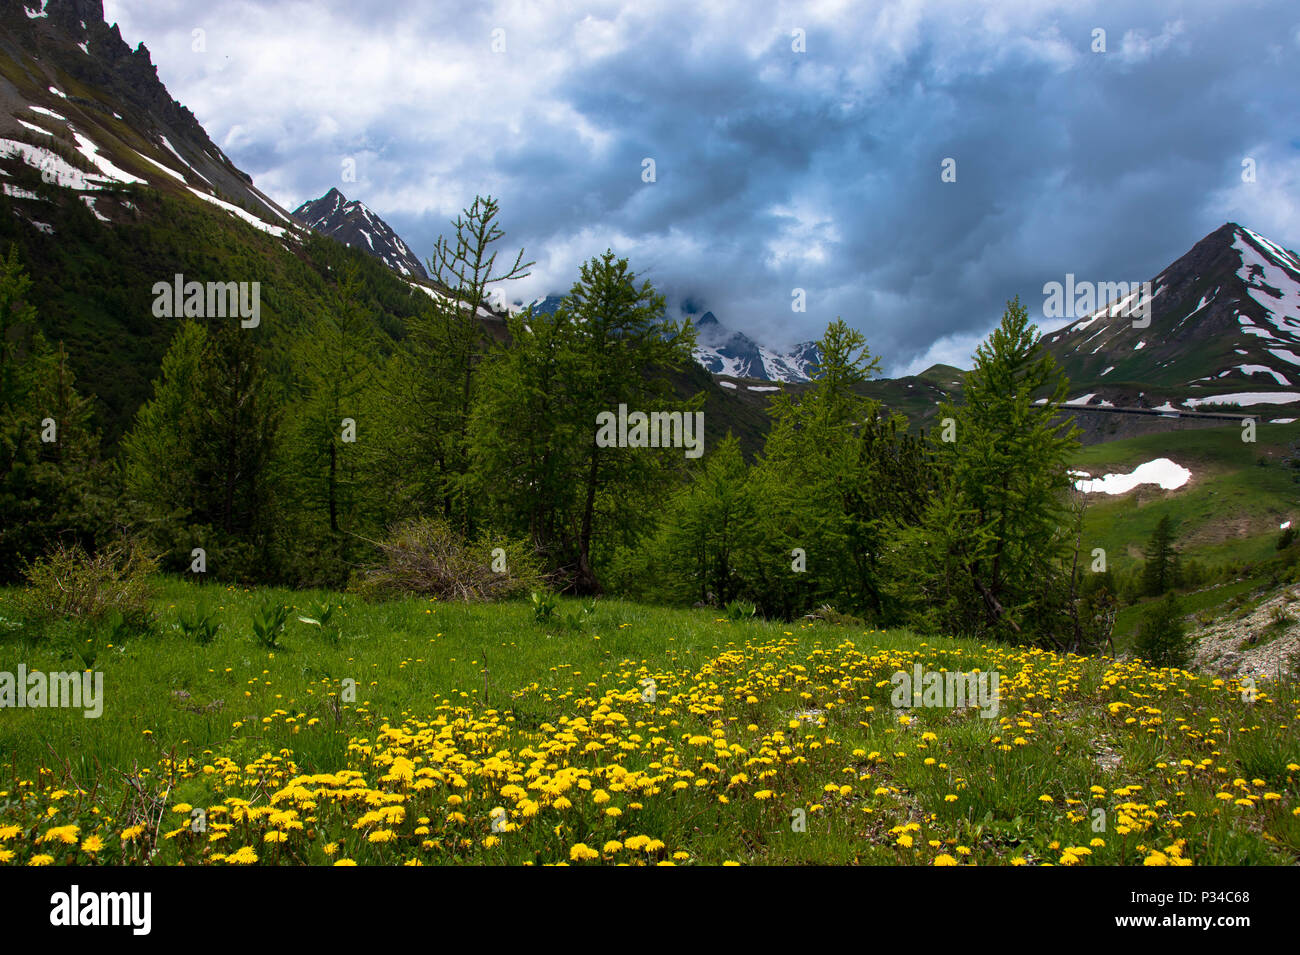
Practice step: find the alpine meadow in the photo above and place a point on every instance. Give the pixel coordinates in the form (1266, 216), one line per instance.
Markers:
(802, 436)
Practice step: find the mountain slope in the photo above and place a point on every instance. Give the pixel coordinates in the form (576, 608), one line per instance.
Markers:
(351, 223)
(1224, 327)
(109, 186)
(85, 110)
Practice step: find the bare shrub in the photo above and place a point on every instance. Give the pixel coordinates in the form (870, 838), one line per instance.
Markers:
(426, 557)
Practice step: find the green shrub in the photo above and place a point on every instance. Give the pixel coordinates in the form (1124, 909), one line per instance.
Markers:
(544, 605)
(199, 625)
(322, 617)
(828, 614)
(738, 610)
(576, 619)
(69, 584)
(269, 624)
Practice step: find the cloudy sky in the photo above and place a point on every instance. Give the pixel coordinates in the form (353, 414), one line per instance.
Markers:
(795, 146)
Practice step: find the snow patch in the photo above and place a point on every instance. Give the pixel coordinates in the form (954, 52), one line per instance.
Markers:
(91, 152)
(235, 210)
(17, 192)
(90, 204)
(167, 169)
(1287, 356)
(54, 168)
(1260, 370)
(1162, 472)
(1273, 282)
(1247, 398)
(172, 149)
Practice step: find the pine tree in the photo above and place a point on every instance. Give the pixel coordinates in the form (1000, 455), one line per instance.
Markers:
(534, 448)
(1162, 637)
(1160, 567)
(198, 461)
(156, 453)
(446, 346)
(329, 437)
(811, 480)
(705, 535)
(524, 438)
(54, 486)
(1006, 471)
(622, 348)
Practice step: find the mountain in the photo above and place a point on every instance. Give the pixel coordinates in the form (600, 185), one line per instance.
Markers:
(724, 352)
(87, 112)
(109, 186)
(1224, 328)
(353, 224)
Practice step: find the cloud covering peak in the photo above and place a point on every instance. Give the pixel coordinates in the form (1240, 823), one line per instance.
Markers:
(794, 146)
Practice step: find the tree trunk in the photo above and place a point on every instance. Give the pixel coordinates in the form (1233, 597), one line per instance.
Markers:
(586, 581)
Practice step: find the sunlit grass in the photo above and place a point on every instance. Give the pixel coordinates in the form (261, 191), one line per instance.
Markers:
(651, 735)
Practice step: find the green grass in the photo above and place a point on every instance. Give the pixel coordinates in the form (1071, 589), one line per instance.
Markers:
(1219, 599)
(1228, 512)
(763, 742)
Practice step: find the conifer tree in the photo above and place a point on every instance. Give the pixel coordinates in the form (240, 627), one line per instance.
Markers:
(523, 434)
(1005, 471)
(811, 480)
(329, 436)
(534, 443)
(198, 461)
(1162, 636)
(1160, 567)
(623, 345)
(705, 535)
(446, 346)
(54, 486)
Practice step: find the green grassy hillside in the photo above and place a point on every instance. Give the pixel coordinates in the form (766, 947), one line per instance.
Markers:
(433, 733)
(1230, 509)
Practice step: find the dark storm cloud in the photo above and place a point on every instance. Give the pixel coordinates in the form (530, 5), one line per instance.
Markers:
(775, 169)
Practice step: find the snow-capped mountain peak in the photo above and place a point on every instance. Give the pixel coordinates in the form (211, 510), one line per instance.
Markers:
(724, 352)
(1223, 327)
(352, 223)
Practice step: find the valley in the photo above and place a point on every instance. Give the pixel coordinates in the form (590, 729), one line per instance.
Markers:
(370, 554)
